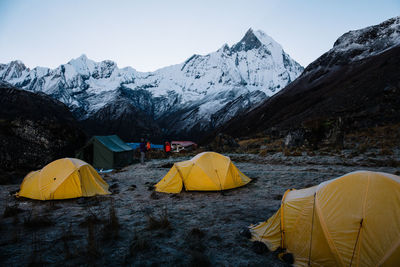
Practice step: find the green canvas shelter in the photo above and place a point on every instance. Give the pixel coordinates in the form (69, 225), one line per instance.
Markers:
(106, 152)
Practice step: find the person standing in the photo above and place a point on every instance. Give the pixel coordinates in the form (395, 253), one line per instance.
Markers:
(148, 146)
(167, 148)
(143, 149)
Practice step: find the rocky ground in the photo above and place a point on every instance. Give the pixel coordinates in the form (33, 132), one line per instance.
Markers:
(137, 226)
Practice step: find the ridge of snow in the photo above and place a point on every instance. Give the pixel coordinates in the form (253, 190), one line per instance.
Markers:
(85, 84)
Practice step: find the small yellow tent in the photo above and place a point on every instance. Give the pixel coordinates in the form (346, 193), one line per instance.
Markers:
(61, 179)
(353, 220)
(208, 171)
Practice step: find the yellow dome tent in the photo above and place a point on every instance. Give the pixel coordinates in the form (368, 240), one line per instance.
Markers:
(353, 220)
(208, 171)
(61, 179)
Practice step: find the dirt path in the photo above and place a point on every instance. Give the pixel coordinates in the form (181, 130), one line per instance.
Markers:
(198, 227)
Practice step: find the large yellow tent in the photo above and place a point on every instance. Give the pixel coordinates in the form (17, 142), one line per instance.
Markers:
(61, 179)
(208, 171)
(353, 220)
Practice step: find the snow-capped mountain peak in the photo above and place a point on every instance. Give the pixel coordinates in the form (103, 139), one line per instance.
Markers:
(223, 82)
(12, 70)
(253, 40)
(248, 42)
(266, 39)
(377, 37)
(82, 64)
(359, 44)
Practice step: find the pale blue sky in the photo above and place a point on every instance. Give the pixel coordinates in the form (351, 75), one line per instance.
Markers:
(151, 34)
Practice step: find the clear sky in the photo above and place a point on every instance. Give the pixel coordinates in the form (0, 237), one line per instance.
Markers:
(150, 34)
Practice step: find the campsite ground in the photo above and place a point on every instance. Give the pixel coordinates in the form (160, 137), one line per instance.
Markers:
(137, 226)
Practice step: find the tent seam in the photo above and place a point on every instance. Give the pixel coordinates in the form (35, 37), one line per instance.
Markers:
(282, 219)
(63, 180)
(206, 173)
(169, 182)
(363, 218)
(326, 232)
(183, 178)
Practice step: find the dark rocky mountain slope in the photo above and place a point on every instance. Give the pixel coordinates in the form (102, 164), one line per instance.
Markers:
(35, 129)
(124, 118)
(354, 86)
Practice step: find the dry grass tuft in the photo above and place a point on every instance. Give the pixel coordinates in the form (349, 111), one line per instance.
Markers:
(263, 152)
(132, 187)
(196, 233)
(112, 226)
(199, 259)
(138, 244)
(35, 221)
(167, 165)
(260, 247)
(310, 153)
(386, 151)
(92, 246)
(292, 153)
(10, 211)
(16, 235)
(194, 240)
(92, 218)
(66, 236)
(362, 148)
(154, 195)
(36, 255)
(162, 222)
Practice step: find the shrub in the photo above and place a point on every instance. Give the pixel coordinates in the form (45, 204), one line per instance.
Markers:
(37, 221)
(112, 226)
(92, 248)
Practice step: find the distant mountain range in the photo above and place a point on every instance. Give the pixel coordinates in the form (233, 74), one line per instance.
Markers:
(353, 86)
(186, 100)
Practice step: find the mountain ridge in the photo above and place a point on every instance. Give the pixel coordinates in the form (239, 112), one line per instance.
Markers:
(256, 64)
(348, 88)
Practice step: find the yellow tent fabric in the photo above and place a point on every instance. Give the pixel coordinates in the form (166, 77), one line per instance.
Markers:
(208, 171)
(62, 179)
(353, 220)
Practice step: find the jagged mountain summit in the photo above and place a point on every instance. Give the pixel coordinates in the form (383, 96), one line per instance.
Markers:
(180, 100)
(353, 86)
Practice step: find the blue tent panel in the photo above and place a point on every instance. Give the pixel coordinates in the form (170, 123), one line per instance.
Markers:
(153, 146)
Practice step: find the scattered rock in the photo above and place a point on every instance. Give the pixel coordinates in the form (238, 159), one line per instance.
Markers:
(197, 233)
(154, 195)
(260, 247)
(245, 232)
(132, 187)
(294, 138)
(167, 165)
